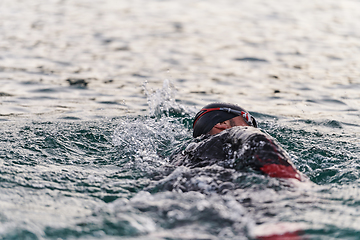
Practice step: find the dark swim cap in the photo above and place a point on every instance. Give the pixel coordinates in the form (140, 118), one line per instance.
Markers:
(214, 113)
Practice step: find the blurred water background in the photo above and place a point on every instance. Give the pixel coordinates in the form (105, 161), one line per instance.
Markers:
(95, 96)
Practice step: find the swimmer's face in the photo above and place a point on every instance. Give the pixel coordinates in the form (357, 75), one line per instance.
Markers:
(236, 121)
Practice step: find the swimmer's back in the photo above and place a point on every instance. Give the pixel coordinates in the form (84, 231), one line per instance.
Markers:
(240, 148)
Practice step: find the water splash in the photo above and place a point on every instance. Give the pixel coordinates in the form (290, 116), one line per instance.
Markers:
(162, 101)
(152, 137)
(145, 142)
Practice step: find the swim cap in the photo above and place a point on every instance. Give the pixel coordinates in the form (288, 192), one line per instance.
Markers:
(214, 113)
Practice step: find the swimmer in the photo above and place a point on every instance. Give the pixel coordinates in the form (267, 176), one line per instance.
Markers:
(227, 135)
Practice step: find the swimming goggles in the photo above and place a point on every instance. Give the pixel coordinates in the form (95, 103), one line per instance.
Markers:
(250, 120)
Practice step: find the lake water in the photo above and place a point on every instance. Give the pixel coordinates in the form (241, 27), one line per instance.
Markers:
(96, 95)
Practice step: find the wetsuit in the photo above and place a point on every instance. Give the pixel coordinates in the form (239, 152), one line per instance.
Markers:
(240, 148)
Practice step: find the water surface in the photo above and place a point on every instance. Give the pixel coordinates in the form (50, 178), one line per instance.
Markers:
(95, 96)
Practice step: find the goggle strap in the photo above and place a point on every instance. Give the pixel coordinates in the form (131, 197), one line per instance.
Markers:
(250, 120)
(244, 114)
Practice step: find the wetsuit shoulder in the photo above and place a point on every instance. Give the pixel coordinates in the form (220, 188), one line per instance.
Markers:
(240, 148)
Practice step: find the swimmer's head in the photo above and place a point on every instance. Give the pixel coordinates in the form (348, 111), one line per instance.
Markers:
(216, 113)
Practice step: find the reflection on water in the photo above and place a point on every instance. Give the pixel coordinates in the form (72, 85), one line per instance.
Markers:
(296, 60)
(88, 119)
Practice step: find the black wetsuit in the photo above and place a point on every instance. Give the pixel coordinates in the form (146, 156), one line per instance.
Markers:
(240, 148)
